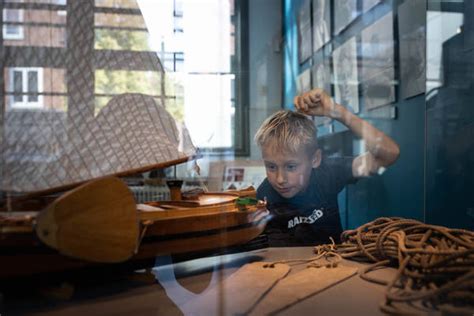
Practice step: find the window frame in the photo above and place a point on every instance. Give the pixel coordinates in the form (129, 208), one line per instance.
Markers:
(241, 98)
(20, 34)
(241, 70)
(25, 104)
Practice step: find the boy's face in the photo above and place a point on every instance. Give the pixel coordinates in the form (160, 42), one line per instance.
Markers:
(287, 172)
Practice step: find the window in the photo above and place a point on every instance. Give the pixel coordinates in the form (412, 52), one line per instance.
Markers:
(202, 48)
(199, 44)
(34, 25)
(11, 24)
(25, 85)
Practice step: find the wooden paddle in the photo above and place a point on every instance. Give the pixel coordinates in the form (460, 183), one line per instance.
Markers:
(96, 221)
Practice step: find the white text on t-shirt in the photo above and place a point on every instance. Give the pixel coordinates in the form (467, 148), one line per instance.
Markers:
(317, 214)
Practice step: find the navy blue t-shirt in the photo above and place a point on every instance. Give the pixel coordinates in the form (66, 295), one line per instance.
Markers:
(311, 216)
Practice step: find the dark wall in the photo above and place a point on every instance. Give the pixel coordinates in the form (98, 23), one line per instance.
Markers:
(450, 135)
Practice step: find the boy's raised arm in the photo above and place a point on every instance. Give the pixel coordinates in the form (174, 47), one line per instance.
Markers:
(382, 150)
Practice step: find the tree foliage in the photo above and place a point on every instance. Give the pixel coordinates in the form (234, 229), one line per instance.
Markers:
(108, 82)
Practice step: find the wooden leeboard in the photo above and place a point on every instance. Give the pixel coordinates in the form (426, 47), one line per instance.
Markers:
(97, 222)
(299, 286)
(239, 292)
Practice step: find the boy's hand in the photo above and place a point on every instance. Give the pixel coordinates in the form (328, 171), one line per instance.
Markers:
(316, 103)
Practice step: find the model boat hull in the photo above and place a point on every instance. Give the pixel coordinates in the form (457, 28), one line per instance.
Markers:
(166, 231)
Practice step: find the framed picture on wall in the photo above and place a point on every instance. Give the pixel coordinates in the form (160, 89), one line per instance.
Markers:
(321, 23)
(345, 11)
(378, 74)
(345, 75)
(305, 48)
(321, 75)
(233, 174)
(412, 37)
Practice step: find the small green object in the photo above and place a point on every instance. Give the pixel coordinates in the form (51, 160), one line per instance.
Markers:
(246, 201)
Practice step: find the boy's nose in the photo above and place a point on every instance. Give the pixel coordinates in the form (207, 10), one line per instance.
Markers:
(281, 177)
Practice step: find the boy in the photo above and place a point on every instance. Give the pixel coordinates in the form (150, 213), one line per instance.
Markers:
(301, 186)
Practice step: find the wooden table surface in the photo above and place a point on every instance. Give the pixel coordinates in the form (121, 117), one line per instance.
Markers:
(170, 287)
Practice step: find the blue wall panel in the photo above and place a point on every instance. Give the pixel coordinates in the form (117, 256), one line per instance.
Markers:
(433, 179)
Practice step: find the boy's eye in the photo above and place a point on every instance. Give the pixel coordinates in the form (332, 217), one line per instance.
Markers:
(291, 167)
(270, 167)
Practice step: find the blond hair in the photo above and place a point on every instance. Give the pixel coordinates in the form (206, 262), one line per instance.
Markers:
(288, 131)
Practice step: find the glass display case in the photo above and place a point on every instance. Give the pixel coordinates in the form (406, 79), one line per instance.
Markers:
(104, 103)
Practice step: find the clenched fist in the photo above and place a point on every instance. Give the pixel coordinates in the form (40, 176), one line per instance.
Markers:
(315, 103)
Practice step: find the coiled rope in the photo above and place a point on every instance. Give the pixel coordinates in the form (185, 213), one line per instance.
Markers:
(435, 264)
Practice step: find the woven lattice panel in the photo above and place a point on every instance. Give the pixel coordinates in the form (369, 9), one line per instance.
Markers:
(45, 150)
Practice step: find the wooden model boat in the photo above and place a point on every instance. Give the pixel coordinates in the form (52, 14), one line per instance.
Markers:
(99, 223)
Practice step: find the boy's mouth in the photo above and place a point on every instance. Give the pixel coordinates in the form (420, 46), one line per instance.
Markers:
(284, 190)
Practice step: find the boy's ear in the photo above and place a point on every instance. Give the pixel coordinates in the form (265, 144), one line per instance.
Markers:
(316, 158)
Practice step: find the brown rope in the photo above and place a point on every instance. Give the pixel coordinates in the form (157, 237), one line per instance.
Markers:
(435, 264)
(326, 255)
